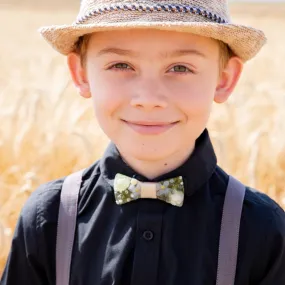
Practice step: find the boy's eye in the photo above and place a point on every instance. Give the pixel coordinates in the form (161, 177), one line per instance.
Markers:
(120, 66)
(180, 69)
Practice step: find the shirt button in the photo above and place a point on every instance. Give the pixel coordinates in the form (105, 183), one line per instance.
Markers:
(148, 235)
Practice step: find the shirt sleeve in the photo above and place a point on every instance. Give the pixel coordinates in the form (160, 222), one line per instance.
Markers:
(275, 248)
(23, 264)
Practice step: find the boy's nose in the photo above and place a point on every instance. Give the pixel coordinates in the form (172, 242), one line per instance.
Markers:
(149, 97)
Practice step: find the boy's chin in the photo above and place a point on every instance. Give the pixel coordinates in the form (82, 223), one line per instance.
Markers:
(148, 153)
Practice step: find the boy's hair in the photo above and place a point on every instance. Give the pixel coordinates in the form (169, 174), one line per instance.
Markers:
(81, 48)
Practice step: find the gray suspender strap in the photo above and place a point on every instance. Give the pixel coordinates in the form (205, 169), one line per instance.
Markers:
(229, 235)
(66, 226)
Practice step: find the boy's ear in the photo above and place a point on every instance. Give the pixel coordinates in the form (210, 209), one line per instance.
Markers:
(78, 74)
(228, 79)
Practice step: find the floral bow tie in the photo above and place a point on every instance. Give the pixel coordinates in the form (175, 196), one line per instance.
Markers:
(129, 189)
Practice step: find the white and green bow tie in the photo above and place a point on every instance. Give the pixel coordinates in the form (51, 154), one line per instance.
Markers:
(128, 189)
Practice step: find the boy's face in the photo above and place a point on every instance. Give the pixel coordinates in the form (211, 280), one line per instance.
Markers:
(153, 90)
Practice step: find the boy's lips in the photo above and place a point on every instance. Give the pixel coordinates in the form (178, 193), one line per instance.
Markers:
(150, 127)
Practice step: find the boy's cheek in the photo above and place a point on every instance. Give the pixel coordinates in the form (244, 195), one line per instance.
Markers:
(107, 104)
(196, 101)
(109, 94)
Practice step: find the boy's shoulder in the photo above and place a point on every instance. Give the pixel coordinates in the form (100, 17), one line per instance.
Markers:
(263, 227)
(260, 211)
(255, 200)
(263, 213)
(261, 201)
(43, 203)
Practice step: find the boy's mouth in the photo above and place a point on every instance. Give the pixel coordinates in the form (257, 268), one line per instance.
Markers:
(150, 127)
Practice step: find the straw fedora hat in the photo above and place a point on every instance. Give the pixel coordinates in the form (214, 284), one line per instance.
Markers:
(202, 17)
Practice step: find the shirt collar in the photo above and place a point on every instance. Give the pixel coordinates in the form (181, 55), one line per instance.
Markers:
(196, 170)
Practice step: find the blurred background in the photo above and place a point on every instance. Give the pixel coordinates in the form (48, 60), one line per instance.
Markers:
(47, 130)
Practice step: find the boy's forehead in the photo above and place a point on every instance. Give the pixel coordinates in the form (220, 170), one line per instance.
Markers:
(122, 34)
(139, 38)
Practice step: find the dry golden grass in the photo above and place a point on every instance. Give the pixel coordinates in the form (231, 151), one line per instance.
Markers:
(47, 130)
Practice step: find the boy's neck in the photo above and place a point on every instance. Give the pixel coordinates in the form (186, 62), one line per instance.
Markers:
(152, 169)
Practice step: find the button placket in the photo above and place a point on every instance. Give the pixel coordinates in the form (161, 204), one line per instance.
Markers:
(148, 235)
(149, 227)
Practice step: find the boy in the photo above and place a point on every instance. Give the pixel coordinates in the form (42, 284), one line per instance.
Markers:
(150, 210)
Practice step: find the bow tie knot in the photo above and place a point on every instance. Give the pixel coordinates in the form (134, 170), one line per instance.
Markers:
(128, 189)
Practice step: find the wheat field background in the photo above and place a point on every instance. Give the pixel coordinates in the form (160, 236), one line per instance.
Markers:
(48, 131)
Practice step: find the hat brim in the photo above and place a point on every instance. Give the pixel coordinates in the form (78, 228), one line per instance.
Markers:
(244, 41)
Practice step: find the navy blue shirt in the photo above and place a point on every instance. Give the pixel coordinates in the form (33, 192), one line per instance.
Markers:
(148, 241)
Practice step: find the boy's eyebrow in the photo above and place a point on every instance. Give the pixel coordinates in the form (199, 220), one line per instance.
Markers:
(117, 51)
(183, 52)
(176, 53)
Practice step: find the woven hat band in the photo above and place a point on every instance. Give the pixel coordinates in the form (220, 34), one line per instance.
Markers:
(218, 7)
(137, 11)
